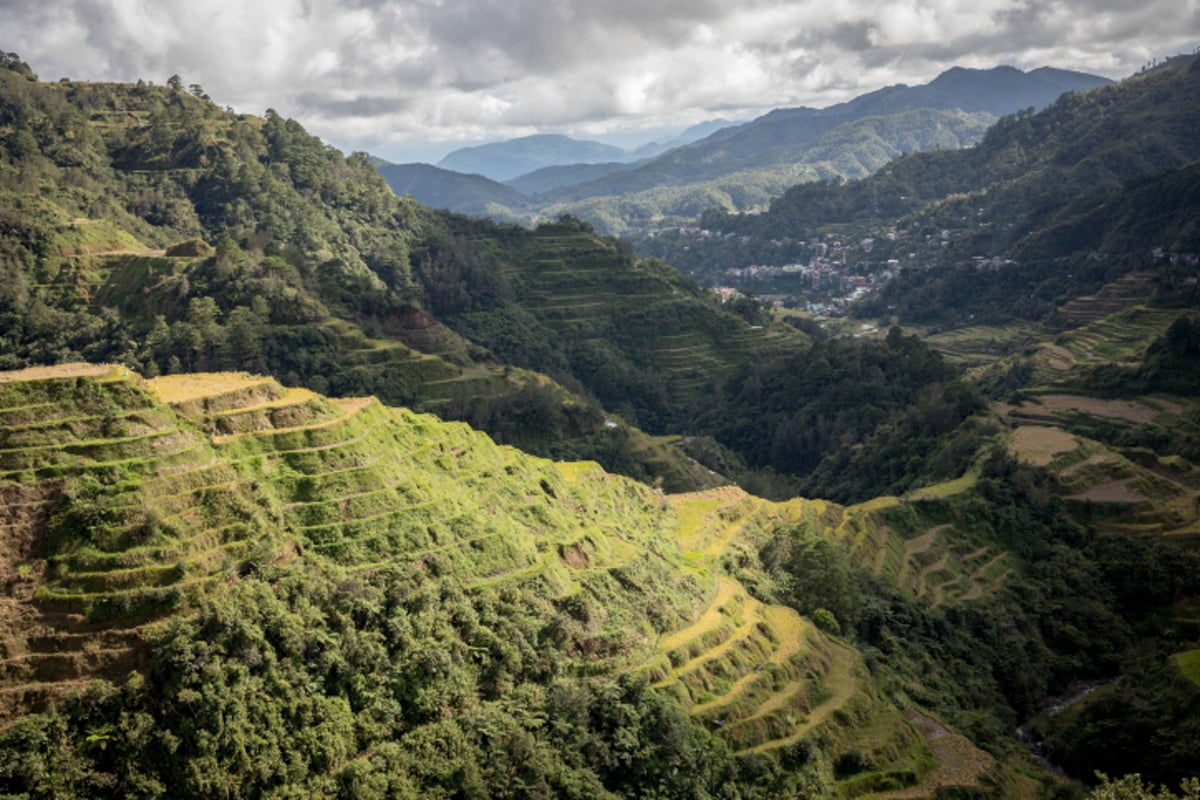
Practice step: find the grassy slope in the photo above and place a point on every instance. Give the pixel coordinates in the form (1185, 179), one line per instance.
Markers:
(158, 493)
(1124, 463)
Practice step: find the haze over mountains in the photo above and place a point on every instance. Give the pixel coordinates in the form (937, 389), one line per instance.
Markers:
(504, 160)
(737, 166)
(1039, 194)
(511, 159)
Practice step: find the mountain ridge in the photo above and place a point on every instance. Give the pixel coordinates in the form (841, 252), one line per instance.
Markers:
(801, 125)
(501, 161)
(669, 184)
(437, 187)
(1028, 192)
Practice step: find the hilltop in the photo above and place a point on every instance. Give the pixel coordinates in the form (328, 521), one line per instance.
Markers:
(443, 188)
(503, 161)
(146, 225)
(512, 160)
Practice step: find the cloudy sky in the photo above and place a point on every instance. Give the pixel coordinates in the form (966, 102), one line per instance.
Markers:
(413, 79)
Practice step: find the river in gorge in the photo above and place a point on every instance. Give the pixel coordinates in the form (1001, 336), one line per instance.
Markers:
(1053, 707)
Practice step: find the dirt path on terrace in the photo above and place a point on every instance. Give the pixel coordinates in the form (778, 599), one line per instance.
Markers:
(75, 369)
(1131, 410)
(709, 620)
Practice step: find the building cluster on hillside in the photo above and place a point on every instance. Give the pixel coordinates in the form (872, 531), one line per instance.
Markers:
(828, 273)
(833, 278)
(991, 263)
(1160, 256)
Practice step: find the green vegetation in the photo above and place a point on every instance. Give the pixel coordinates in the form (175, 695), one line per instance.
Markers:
(350, 601)
(739, 167)
(561, 300)
(1131, 787)
(317, 274)
(380, 629)
(1144, 723)
(222, 583)
(628, 200)
(803, 415)
(462, 193)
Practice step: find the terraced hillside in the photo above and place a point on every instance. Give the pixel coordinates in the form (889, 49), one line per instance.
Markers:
(765, 679)
(1119, 338)
(129, 498)
(363, 484)
(1113, 326)
(161, 231)
(130, 502)
(1124, 457)
(119, 512)
(95, 263)
(416, 360)
(1121, 490)
(358, 509)
(1127, 291)
(634, 332)
(1105, 409)
(906, 546)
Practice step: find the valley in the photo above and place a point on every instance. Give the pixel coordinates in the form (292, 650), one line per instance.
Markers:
(307, 489)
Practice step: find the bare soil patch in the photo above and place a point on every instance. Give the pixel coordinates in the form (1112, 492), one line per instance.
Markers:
(1039, 445)
(959, 763)
(173, 389)
(1130, 410)
(1168, 406)
(1111, 492)
(1058, 358)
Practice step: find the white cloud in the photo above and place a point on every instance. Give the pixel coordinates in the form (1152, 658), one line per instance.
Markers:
(378, 73)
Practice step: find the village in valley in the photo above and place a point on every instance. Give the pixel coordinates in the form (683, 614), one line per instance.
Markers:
(823, 276)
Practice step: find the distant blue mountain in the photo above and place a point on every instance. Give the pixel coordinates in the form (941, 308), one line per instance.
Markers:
(501, 161)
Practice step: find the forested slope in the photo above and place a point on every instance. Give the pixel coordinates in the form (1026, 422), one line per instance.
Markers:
(146, 225)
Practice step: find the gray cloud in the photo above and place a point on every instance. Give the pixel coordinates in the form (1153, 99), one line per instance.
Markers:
(380, 73)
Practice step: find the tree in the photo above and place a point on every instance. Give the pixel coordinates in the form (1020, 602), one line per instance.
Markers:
(12, 61)
(1131, 787)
